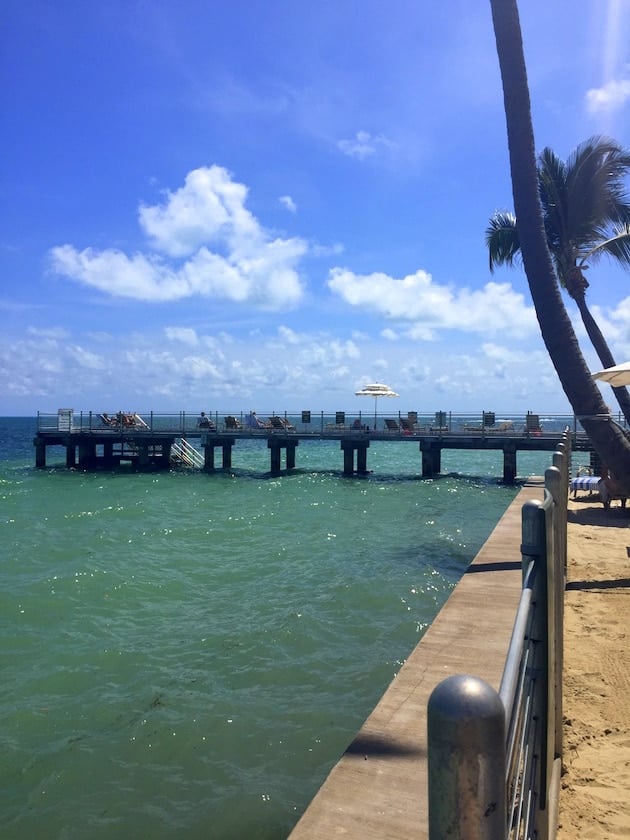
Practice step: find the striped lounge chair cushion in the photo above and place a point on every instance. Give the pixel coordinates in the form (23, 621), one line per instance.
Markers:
(585, 482)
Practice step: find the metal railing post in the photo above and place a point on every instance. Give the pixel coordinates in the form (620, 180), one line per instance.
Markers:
(466, 752)
(556, 561)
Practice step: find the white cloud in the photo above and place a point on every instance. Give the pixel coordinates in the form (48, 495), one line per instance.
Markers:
(284, 369)
(288, 202)
(364, 145)
(209, 245)
(288, 335)
(209, 207)
(610, 97)
(86, 358)
(185, 335)
(389, 334)
(416, 298)
(49, 332)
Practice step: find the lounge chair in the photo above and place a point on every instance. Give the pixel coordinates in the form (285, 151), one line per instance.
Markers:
(587, 483)
(232, 424)
(282, 423)
(475, 427)
(391, 425)
(407, 426)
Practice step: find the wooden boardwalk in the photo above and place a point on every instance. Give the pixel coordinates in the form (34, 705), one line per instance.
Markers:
(378, 789)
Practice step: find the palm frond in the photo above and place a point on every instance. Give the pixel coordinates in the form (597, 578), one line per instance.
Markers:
(502, 239)
(595, 183)
(616, 246)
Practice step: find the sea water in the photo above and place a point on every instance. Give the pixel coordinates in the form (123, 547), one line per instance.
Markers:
(187, 655)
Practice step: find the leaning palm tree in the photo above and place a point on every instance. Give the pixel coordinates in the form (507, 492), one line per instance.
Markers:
(555, 326)
(586, 215)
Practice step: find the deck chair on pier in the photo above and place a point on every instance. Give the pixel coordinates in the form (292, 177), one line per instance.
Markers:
(281, 423)
(232, 424)
(407, 426)
(391, 425)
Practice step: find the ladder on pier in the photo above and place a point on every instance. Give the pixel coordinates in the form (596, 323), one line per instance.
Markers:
(185, 453)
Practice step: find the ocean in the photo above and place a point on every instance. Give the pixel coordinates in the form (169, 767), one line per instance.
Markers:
(187, 655)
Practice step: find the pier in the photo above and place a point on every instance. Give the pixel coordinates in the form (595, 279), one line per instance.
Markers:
(157, 441)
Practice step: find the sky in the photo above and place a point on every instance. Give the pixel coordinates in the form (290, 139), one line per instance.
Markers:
(265, 205)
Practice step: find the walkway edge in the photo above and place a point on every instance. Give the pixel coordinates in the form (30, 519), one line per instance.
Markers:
(378, 789)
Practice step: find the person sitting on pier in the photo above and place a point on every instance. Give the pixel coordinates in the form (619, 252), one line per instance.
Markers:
(125, 419)
(252, 421)
(203, 422)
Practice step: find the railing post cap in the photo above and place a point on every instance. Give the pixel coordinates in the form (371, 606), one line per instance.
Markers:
(463, 696)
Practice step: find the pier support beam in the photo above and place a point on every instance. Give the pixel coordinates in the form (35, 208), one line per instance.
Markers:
(210, 444)
(71, 455)
(108, 454)
(40, 454)
(87, 453)
(509, 463)
(431, 458)
(275, 446)
(349, 447)
(143, 455)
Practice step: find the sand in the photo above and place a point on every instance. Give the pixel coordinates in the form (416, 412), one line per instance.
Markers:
(595, 792)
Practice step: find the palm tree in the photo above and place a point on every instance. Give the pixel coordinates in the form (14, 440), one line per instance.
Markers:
(555, 325)
(586, 215)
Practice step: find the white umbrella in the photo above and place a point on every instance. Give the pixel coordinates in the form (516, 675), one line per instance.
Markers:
(376, 390)
(617, 376)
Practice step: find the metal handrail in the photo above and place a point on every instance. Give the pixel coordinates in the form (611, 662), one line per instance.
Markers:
(513, 763)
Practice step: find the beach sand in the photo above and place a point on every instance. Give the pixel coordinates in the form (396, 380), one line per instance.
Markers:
(595, 786)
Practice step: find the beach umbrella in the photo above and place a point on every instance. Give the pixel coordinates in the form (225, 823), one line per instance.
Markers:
(617, 376)
(376, 390)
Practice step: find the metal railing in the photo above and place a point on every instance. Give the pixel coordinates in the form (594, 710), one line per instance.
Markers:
(185, 453)
(494, 757)
(393, 424)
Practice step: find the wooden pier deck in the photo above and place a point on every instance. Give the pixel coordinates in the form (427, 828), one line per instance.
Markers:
(90, 444)
(378, 789)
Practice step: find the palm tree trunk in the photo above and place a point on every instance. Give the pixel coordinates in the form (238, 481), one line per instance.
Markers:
(603, 351)
(555, 325)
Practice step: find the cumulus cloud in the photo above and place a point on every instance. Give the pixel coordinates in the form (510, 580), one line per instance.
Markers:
(610, 97)
(364, 145)
(429, 306)
(210, 207)
(204, 242)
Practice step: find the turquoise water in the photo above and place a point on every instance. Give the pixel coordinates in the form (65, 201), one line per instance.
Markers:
(187, 655)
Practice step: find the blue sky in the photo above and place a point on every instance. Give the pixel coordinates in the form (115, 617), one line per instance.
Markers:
(266, 205)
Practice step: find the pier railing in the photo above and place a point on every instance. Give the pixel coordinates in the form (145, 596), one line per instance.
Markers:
(494, 757)
(392, 424)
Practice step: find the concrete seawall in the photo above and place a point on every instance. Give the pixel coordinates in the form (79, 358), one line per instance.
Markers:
(378, 789)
